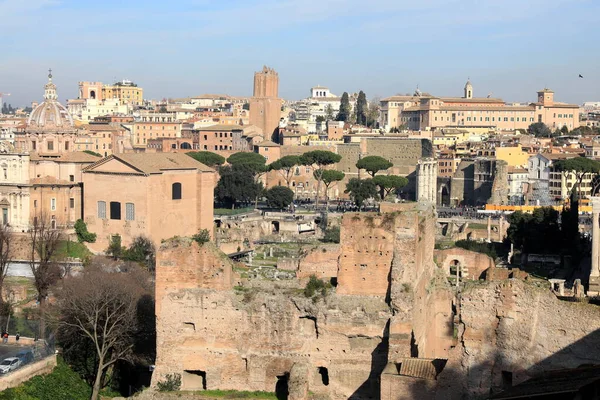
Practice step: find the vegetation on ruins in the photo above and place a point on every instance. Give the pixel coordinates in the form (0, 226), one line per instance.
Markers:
(345, 108)
(332, 235)
(479, 247)
(279, 197)
(171, 383)
(101, 310)
(319, 159)
(373, 164)
(388, 183)
(142, 251)
(316, 286)
(83, 235)
(203, 236)
(360, 190)
(286, 166)
(207, 158)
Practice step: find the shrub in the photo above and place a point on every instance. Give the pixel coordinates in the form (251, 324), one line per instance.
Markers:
(82, 233)
(315, 286)
(332, 235)
(203, 236)
(172, 383)
(485, 248)
(279, 197)
(114, 248)
(141, 251)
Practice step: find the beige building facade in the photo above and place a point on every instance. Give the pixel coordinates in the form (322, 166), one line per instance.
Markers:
(157, 195)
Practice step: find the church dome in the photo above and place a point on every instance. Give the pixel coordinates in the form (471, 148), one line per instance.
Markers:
(50, 114)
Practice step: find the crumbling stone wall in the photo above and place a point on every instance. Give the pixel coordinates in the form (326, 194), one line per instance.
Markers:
(257, 335)
(321, 261)
(516, 328)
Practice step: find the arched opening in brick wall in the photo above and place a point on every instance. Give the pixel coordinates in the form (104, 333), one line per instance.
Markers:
(275, 226)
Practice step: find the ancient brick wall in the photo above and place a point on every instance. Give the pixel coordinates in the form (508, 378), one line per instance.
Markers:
(475, 263)
(321, 261)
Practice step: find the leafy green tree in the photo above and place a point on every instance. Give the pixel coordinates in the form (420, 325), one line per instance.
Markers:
(207, 158)
(345, 108)
(142, 251)
(538, 232)
(115, 249)
(286, 166)
(237, 185)
(389, 183)
(361, 190)
(539, 129)
(162, 109)
(328, 112)
(82, 233)
(332, 235)
(319, 159)
(361, 108)
(320, 118)
(330, 176)
(279, 197)
(373, 164)
(253, 162)
(373, 113)
(564, 130)
(580, 166)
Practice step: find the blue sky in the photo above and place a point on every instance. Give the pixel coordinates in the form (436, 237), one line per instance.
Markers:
(177, 48)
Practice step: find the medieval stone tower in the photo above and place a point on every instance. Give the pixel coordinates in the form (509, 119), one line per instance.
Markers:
(265, 105)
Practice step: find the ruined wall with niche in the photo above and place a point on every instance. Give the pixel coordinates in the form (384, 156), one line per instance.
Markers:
(255, 335)
(473, 264)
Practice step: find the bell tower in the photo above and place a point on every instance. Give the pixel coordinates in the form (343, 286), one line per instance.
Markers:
(468, 90)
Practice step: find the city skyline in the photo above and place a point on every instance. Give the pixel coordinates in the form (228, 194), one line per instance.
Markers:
(509, 50)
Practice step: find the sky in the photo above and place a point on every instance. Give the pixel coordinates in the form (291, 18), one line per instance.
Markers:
(179, 48)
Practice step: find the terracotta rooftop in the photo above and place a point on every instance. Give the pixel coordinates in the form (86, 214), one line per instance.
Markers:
(220, 127)
(154, 163)
(50, 180)
(267, 143)
(73, 157)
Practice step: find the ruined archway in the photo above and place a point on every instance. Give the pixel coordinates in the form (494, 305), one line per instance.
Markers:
(444, 196)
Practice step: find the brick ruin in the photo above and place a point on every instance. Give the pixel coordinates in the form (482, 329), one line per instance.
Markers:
(392, 327)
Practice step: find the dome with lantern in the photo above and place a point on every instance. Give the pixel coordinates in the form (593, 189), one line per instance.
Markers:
(50, 114)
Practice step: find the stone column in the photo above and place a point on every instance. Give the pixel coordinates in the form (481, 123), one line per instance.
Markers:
(489, 229)
(594, 287)
(501, 228)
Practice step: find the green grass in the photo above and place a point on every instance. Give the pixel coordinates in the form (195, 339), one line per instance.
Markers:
(229, 211)
(476, 225)
(73, 249)
(235, 394)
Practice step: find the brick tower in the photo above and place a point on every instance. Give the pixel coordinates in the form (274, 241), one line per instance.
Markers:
(265, 105)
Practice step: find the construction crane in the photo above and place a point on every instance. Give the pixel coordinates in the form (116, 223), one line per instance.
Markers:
(2, 101)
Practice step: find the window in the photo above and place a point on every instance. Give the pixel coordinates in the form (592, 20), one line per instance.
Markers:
(71, 202)
(176, 191)
(102, 209)
(129, 212)
(33, 145)
(35, 204)
(50, 145)
(115, 210)
(53, 204)
(71, 178)
(66, 145)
